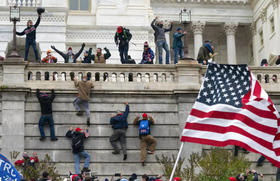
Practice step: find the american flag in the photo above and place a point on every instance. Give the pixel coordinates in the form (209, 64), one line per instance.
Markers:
(233, 109)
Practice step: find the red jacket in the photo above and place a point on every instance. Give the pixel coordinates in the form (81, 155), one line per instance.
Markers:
(49, 59)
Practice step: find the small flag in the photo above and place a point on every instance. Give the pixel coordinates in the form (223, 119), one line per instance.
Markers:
(233, 109)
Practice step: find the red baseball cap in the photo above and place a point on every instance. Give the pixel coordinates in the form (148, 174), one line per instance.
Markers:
(78, 129)
(177, 179)
(144, 115)
(119, 29)
(232, 179)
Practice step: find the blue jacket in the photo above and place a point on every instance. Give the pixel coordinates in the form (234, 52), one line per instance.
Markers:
(146, 55)
(120, 121)
(177, 40)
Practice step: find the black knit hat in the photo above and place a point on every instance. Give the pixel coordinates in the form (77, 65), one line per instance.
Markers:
(40, 10)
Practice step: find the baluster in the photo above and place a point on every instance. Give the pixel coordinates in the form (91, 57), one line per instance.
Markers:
(24, 2)
(28, 2)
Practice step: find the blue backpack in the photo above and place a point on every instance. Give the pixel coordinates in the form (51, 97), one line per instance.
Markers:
(144, 128)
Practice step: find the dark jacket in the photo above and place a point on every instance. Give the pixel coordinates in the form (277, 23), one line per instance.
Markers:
(177, 40)
(124, 37)
(45, 102)
(72, 134)
(120, 120)
(149, 54)
(66, 56)
(30, 32)
(203, 54)
(137, 122)
(160, 32)
(88, 58)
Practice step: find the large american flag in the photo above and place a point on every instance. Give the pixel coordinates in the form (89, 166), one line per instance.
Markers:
(233, 109)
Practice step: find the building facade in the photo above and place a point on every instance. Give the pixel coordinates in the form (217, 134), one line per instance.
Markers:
(242, 31)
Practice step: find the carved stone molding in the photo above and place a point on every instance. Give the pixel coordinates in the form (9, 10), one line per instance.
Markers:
(275, 3)
(253, 28)
(45, 18)
(263, 16)
(230, 28)
(198, 27)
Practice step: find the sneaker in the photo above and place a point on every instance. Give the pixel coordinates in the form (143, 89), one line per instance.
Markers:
(88, 122)
(125, 157)
(86, 169)
(42, 138)
(79, 113)
(54, 139)
(150, 152)
(115, 152)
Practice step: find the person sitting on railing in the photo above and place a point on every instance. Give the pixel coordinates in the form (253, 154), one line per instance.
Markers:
(84, 88)
(101, 58)
(30, 33)
(204, 53)
(264, 63)
(148, 55)
(49, 58)
(88, 57)
(69, 57)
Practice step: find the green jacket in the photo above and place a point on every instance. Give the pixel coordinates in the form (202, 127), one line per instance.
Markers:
(203, 54)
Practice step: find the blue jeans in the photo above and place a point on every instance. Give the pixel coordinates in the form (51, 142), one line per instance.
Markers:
(46, 119)
(77, 160)
(163, 45)
(176, 52)
(78, 102)
(29, 43)
(123, 49)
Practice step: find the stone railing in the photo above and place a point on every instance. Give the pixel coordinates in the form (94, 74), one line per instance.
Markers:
(102, 73)
(24, 3)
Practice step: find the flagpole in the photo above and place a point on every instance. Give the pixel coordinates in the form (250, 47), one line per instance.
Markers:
(176, 163)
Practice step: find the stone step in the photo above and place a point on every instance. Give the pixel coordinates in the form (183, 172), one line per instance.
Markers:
(99, 143)
(70, 118)
(101, 156)
(109, 169)
(103, 107)
(106, 130)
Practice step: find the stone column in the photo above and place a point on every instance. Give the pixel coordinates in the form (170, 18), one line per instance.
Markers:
(266, 36)
(230, 29)
(13, 106)
(276, 10)
(254, 42)
(197, 28)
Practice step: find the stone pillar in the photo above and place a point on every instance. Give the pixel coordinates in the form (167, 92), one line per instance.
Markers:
(266, 36)
(13, 106)
(276, 10)
(197, 28)
(254, 42)
(230, 29)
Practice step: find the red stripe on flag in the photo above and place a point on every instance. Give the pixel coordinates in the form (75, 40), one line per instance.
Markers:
(223, 130)
(257, 89)
(260, 112)
(226, 143)
(234, 116)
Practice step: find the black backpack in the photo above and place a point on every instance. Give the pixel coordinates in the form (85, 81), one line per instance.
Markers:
(77, 142)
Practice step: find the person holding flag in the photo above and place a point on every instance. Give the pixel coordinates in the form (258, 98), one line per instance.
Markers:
(233, 109)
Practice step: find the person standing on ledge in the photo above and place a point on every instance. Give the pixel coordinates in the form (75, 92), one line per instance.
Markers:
(160, 39)
(178, 44)
(30, 40)
(122, 38)
(148, 55)
(119, 125)
(100, 57)
(46, 113)
(84, 88)
(49, 58)
(69, 57)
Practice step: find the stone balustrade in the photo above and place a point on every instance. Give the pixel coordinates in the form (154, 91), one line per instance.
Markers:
(24, 3)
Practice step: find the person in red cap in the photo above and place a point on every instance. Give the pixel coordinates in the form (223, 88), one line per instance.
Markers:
(78, 149)
(69, 57)
(177, 179)
(232, 179)
(145, 135)
(27, 161)
(122, 38)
